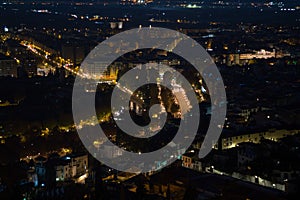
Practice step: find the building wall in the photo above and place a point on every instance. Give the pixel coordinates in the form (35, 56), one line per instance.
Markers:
(230, 142)
(75, 167)
(282, 176)
(262, 54)
(191, 163)
(8, 67)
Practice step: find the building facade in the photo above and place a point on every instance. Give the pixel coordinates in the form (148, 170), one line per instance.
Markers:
(227, 142)
(8, 66)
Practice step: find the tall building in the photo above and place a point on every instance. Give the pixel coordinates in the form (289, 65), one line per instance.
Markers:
(75, 53)
(8, 66)
(30, 66)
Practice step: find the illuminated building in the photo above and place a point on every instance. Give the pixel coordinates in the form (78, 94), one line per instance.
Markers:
(135, 1)
(191, 160)
(30, 66)
(71, 166)
(97, 71)
(64, 168)
(244, 58)
(128, 1)
(209, 45)
(114, 25)
(262, 54)
(227, 142)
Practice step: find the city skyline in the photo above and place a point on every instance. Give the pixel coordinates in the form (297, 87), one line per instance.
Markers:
(49, 47)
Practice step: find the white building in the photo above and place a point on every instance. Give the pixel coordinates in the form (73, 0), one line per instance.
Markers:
(71, 166)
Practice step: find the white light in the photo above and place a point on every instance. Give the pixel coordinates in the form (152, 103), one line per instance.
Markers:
(203, 89)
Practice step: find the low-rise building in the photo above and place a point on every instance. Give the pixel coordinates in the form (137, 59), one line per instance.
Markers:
(61, 168)
(191, 161)
(230, 141)
(71, 166)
